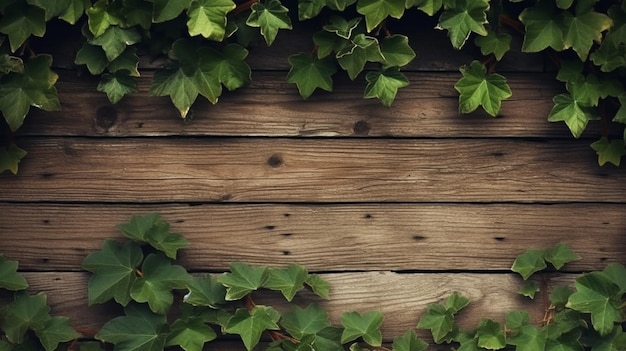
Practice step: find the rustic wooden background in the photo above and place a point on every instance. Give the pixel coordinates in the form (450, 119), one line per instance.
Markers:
(396, 207)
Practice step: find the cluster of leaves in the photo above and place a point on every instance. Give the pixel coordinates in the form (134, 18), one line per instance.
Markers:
(25, 322)
(206, 43)
(589, 317)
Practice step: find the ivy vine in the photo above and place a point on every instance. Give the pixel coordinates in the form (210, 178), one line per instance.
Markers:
(205, 43)
(165, 306)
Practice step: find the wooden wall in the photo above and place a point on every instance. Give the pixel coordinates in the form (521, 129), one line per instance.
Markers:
(397, 207)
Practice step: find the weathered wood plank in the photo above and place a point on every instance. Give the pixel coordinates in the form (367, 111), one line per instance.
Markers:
(306, 170)
(402, 298)
(358, 237)
(272, 107)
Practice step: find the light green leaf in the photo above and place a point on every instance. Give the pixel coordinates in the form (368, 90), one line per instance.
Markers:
(56, 330)
(439, 320)
(529, 338)
(516, 320)
(456, 302)
(559, 255)
(574, 113)
(74, 11)
(495, 43)
(10, 279)
(303, 321)
(490, 335)
(310, 73)
(270, 16)
(529, 289)
(544, 27)
(242, 280)
(208, 18)
(384, 84)
(10, 158)
(114, 40)
(153, 230)
(396, 50)
(430, 7)
(24, 313)
(376, 11)
(250, 325)
(529, 262)
(461, 17)
(479, 88)
(128, 61)
(93, 56)
(113, 269)
(165, 10)
(138, 330)
(609, 151)
(583, 29)
(190, 334)
(20, 21)
(328, 339)
(288, 280)
(99, 18)
(181, 88)
(365, 326)
(598, 295)
(308, 9)
(409, 342)
(319, 286)
(117, 85)
(205, 291)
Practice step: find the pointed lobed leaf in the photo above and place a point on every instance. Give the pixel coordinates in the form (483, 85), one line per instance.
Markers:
(10, 158)
(115, 39)
(341, 27)
(376, 11)
(138, 330)
(409, 342)
(55, 331)
(159, 277)
(462, 17)
(328, 339)
(396, 50)
(155, 231)
(616, 272)
(529, 289)
(250, 325)
(516, 320)
(191, 334)
(165, 10)
(479, 88)
(205, 291)
(113, 269)
(609, 151)
(26, 312)
(270, 16)
(208, 18)
(74, 11)
(319, 286)
(384, 85)
(544, 27)
(439, 320)
(127, 60)
(529, 262)
(575, 114)
(560, 254)
(10, 279)
(529, 338)
(288, 280)
(490, 335)
(93, 56)
(242, 280)
(495, 43)
(559, 296)
(310, 73)
(365, 326)
(227, 67)
(304, 321)
(20, 21)
(583, 29)
(117, 85)
(353, 58)
(456, 302)
(99, 18)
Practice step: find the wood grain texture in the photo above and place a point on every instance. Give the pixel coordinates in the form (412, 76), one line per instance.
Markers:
(272, 107)
(402, 298)
(304, 170)
(356, 237)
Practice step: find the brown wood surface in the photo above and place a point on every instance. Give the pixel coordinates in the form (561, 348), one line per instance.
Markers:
(402, 298)
(355, 237)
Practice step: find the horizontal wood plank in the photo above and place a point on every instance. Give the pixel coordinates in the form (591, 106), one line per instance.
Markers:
(305, 170)
(356, 237)
(272, 107)
(402, 298)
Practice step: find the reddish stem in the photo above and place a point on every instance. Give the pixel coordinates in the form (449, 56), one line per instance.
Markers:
(243, 7)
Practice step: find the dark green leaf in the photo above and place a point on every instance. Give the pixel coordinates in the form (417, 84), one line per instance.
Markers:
(609, 151)
(328, 339)
(113, 270)
(429, 7)
(74, 11)
(250, 325)
(328, 43)
(341, 27)
(114, 40)
(559, 255)
(24, 313)
(310, 320)
(127, 60)
(208, 18)
(20, 21)
(396, 50)
(560, 295)
(477, 87)
(384, 84)
(617, 273)
(10, 279)
(242, 280)
(544, 27)
(583, 29)
(289, 280)
(10, 63)
(495, 43)
(310, 73)
(117, 85)
(375, 11)
(100, 18)
(516, 320)
(56, 330)
(153, 230)
(528, 263)
(270, 16)
(529, 289)
(409, 342)
(93, 56)
(190, 334)
(353, 58)
(138, 330)
(462, 17)
(205, 291)
(10, 158)
(490, 334)
(575, 114)
(456, 302)
(228, 66)
(439, 320)
(181, 88)
(319, 286)
(365, 326)
(165, 10)
(529, 338)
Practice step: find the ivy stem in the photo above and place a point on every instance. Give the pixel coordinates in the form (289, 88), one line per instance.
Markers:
(243, 7)
(139, 273)
(512, 23)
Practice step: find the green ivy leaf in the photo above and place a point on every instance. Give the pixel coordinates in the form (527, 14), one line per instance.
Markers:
(205, 291)
(208, 18)
(439, 320)
(583, 29)
(114, 40)
(396, 50)
(138, 330)
(544, 27)
(10, 63)
(310, 73)
(10, 158)
(342, 28)
(479, 88)
(180, 87)
(156, 282)
(456, 302)
(165, 10)
(56, 330)
(10, 279)
(242, 280)
(117, 85)
(559, 296)
(24, 313)
(99, 18)
(490, 335)
(429, 7)
(529, 289)
(228, 66)
(270, 16)
(528, 263)
(20, 21)
(609, 151)
(305, 321)
(495, 43)
(598, 295)
(575, 114)
(384, 84)
(620, 115)
(609, 57)
(461, 17)
(35, 87)
(250, 325)
(51, 8)
(409, 342)
(153, 230)
(93, 56)
(190, 334)
(570, 71)
(375, 11)
(74, 11)
(365, 326)
(127, 60)
(617, 273)
(560, 254)
(319, 286)
(328, 43)
(328, 339)
(113, 269)
(353, 58)
(516, 320)
(288, 280)
(308, 9)
(529, 338)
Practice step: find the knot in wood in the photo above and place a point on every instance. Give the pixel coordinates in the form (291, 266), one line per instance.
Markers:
(275, 161)
(361, 128)
(106, 116)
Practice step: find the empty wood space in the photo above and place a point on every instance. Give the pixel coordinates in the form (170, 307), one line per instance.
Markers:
(396, 207)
